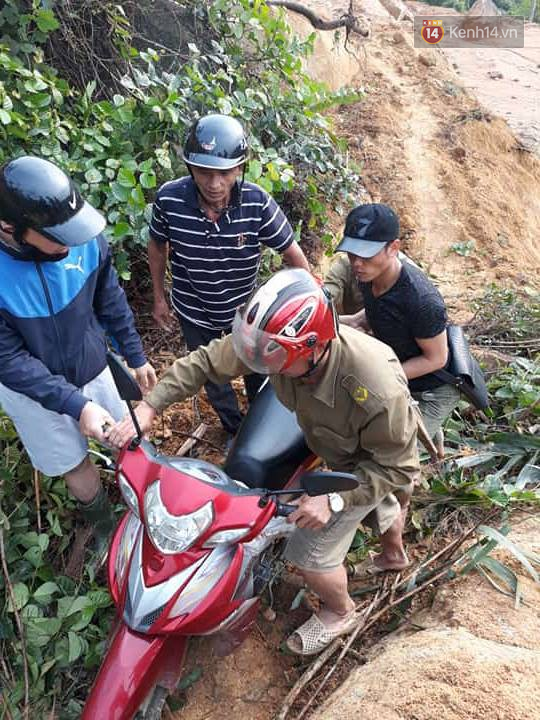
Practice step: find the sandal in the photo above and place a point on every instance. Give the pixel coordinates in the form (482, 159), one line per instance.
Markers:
(313, 636)
(368, 569)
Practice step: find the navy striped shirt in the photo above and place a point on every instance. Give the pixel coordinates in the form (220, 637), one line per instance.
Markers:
(214, 264)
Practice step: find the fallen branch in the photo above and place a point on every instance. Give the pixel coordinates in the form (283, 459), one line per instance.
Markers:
(196, 435)
(202, 439)
(348, 20)
(363, 627)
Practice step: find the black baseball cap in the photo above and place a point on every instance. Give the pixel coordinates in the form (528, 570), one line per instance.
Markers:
(368, 228)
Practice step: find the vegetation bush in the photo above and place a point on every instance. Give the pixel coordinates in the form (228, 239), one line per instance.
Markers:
(249, 64)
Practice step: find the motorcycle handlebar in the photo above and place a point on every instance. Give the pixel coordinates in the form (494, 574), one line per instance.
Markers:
(284, 510)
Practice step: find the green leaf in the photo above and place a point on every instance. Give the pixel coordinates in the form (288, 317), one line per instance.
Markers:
(34, 555)
(5, 117)
(492, 566)
(121, 229)
(163, 158)
(47, 666)
(45, 592)
(126, 177)
(69, 605)
(529, 474)
(190, 679)
(137, 196)
(511, 547)
(297, 600)
(39, 631)
(46, 21)
(148, 179)
(93, 176)
(21, 594)
(100, 598)
(255, 169)
(120, 193)
(75, 645)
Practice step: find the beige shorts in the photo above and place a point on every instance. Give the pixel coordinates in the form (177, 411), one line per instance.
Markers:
(54, 442)
(325, 549)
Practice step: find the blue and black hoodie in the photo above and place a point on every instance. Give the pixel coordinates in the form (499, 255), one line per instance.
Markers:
(52, 316)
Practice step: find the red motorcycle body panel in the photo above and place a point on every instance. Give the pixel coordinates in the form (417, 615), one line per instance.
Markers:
(133, 665)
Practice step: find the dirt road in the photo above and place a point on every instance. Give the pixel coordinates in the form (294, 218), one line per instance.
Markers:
(505, 80)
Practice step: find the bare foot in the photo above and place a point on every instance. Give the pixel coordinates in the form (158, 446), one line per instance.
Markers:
(331, 619)
(384, 563)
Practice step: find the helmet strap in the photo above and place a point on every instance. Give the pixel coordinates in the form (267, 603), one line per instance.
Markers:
(314, 364)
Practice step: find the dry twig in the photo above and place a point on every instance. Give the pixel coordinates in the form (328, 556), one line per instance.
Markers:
(36, 478)
(192, 440)
(18, 622)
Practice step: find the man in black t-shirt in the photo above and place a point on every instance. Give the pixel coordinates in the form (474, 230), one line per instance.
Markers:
(402, 307)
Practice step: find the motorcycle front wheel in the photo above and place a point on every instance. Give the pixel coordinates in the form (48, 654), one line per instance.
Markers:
(153, 706)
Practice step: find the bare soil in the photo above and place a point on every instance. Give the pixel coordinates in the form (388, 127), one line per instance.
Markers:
(467, 193)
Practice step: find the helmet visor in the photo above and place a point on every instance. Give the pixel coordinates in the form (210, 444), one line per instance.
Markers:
(257, 349)
(80, 228)
(213, 162)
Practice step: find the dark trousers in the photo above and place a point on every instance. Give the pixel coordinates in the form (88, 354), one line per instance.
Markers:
(221, 397)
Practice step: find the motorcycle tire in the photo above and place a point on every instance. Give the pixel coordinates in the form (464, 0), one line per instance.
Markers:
(153, 705)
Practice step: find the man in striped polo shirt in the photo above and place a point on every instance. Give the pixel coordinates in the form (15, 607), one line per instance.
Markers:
(211, 225)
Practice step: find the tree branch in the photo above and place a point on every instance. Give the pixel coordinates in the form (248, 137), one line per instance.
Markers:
(348, 20)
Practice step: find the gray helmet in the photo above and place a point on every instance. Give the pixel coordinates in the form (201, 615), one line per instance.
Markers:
(35, 193)
(216, 141)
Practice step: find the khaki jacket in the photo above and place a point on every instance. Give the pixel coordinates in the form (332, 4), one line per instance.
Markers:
(358, 417)
(343, 286)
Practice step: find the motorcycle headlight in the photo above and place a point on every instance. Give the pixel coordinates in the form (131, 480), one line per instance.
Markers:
(227, 537)
(173, 533)
(125, 548)
(128, 493)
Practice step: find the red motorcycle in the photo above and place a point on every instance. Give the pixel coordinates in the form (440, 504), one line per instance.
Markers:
(195, 549)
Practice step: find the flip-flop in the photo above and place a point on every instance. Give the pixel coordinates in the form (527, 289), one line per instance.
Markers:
(313, 636)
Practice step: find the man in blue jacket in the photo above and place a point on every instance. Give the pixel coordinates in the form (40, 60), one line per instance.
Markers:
(59, 291)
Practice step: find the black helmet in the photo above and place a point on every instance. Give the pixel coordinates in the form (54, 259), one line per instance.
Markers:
(216, 141)
(35, 193)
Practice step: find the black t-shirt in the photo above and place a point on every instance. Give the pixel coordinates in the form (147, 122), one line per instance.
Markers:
(411, 308)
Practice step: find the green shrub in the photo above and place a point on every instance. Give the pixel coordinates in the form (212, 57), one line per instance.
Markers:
(64, 623)
(120, 150)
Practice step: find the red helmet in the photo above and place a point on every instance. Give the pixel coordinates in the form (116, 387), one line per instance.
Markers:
(283, 321)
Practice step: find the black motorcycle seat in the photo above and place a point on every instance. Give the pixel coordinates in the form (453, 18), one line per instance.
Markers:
(269, 445)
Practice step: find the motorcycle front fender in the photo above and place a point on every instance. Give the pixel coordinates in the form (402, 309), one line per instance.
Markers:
(134, 664)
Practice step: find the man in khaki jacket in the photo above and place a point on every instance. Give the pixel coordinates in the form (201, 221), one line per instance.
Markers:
(351, 400)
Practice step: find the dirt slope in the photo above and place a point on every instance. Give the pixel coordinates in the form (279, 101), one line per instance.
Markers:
(472, 656)
(505, 80)
(467, 193)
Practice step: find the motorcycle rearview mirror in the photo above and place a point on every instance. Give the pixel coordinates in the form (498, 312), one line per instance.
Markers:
(317, 482)
(128, 389)
(320, 482)
(127, 386)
